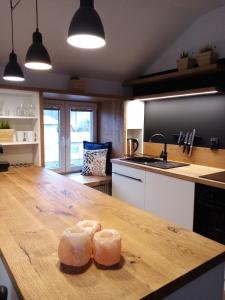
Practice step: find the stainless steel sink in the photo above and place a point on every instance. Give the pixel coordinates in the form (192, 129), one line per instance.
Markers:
(141, 159)
(154, 162)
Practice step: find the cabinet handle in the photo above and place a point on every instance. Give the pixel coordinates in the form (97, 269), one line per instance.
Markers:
(122, 175)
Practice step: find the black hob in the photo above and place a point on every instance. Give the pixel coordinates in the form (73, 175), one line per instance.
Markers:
(220, 176)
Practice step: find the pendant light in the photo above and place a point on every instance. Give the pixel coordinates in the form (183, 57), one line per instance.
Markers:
(13, 71)
(86, 29)
(37, 57)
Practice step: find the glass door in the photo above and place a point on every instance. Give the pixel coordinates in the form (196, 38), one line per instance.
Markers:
(66, 125)
(54, 136)
(80, 128)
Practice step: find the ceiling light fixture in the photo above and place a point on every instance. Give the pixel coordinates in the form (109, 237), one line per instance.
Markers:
(188, 93)
(37, 57)
(86, 29)
(13, 71)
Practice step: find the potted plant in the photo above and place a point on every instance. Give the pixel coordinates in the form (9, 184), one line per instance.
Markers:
(207, 56)
(76, 84)
(185, 62)
(6, 133)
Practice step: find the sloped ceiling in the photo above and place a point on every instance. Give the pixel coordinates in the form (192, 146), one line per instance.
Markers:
(137, 33)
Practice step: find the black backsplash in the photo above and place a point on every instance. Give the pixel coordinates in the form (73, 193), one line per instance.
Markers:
(204, 113)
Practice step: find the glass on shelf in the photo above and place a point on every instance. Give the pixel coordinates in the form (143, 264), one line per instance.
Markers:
(20, 110)
(31, 110)
(1, 107)
(6, 112)
(25, 110)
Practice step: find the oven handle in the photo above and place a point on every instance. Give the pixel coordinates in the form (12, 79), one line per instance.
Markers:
(126, 176)
(210, 204)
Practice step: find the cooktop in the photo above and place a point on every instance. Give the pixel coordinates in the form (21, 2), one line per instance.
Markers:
(220, 176)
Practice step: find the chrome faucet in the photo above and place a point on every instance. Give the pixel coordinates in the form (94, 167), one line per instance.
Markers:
(163, 154)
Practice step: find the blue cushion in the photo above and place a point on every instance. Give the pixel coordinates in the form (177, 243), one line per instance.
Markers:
(97, 146)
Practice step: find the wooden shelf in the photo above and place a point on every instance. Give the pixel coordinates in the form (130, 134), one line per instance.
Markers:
(213, 68)
(18, 143)
(18, 117)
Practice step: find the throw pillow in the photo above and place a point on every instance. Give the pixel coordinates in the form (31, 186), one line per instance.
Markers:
(97, 146)
(94, 162)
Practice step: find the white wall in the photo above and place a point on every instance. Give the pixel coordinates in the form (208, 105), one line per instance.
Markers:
(60, 81)
(210, 28)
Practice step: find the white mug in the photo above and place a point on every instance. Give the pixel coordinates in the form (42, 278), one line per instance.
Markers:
(21, 136)
(30, 136)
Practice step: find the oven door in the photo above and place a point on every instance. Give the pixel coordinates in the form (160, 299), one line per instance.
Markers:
(209, 212)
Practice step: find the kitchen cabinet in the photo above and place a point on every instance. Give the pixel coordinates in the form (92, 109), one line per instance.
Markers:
(170, 198)
(167, 197)
(128, 184)
(134, 122)
(21, 109)
(134, 114)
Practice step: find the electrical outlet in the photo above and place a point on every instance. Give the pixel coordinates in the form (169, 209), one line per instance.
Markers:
(214, 143)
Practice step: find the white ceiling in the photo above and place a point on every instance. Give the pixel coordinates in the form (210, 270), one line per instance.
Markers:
(137, 33)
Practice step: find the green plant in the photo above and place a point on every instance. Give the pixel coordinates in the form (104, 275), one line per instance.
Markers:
(184, 54)
(75, 77)
(4, 125)
(207, 48)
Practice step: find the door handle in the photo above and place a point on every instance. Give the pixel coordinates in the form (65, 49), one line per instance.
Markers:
(126, 176)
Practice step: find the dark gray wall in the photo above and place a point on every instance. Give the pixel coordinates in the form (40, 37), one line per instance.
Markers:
(204, 113)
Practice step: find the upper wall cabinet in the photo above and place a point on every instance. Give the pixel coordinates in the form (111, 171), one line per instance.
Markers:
(20, 110)
(134, 111)
(134, 122)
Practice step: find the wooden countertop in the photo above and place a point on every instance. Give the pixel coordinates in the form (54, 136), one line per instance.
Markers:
(190, 173)
(36, 205)
(91, 181)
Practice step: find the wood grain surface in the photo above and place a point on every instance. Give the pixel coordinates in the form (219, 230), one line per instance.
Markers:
(190, 173)
(91, 181)
(175, 75)
(36, 205)
(110, 125)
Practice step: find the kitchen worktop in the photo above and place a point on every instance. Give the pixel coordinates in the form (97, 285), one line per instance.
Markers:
(191, 172)
(36, 205)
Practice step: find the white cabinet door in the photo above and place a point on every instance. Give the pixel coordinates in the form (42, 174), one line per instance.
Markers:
(134, 114)
(128, 184)
(170, 198)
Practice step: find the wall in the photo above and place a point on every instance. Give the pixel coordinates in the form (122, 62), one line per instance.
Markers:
(111, 125)
(170, 116)
(210, 28)
(54, 80)
(204, 113)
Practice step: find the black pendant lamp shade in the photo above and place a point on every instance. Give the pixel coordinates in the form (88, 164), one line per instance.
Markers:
(37, 57)
(13, 71)
(86, 29)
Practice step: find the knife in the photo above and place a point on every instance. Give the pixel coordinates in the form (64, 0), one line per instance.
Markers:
(192, 141)
(180, 138)
(189, 143)
(185, 141)
(183, 138)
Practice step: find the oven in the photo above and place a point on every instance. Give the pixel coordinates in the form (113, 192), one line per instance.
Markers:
(209, 212)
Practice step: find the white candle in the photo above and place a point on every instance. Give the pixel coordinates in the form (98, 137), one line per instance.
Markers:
(75, 247)
(91, 226)
(107, 247)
